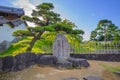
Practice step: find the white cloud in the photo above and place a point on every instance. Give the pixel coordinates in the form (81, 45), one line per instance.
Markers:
(36, 2)
(86, 36)
(29, 5)
(26, 5)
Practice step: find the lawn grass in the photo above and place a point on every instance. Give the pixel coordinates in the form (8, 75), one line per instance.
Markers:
(110, 68)
(41, 46)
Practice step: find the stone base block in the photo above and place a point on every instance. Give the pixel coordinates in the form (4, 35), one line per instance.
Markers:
(47, 60)
(64, 64)
(78, 63)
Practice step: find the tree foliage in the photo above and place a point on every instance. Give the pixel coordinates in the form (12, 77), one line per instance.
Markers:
(45, 12)
(22, 33)
(105, 31)
(46, 20)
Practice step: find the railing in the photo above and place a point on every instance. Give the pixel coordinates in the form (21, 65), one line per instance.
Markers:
(89, 48)
(96, 47)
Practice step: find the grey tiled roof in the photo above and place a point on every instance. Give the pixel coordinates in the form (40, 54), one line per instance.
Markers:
(13, 23)
(16, 22)
(18, 11)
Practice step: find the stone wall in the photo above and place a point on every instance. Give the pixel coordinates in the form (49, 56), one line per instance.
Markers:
(100, 57)
(26, 60)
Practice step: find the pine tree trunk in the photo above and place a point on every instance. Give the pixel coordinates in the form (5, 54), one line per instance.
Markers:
(33, 41)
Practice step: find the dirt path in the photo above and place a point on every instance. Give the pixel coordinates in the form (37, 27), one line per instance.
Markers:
(50, 73)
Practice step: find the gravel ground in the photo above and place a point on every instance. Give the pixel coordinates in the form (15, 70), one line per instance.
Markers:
(51, 73)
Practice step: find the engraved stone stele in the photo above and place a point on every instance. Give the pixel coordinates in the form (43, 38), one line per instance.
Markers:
(61, 48)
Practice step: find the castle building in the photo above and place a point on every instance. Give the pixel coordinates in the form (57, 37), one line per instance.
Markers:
(11, 16)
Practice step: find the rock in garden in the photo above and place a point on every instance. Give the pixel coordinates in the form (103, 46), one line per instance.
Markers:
(20, 62)
(1, 65)
(47, 60)
(4, 45)
(24, 60)
(78, 63)
(64, 64)
(15, 40)
(8, 63)
(117, 72)
(31, 59)
(38, 56)
(92, 78)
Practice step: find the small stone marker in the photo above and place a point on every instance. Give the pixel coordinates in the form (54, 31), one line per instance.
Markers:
(61, 48)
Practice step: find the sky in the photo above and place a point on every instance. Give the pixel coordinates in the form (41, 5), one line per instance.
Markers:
(84, 13)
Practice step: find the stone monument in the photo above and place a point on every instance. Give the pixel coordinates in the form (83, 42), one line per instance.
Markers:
(61, 48)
